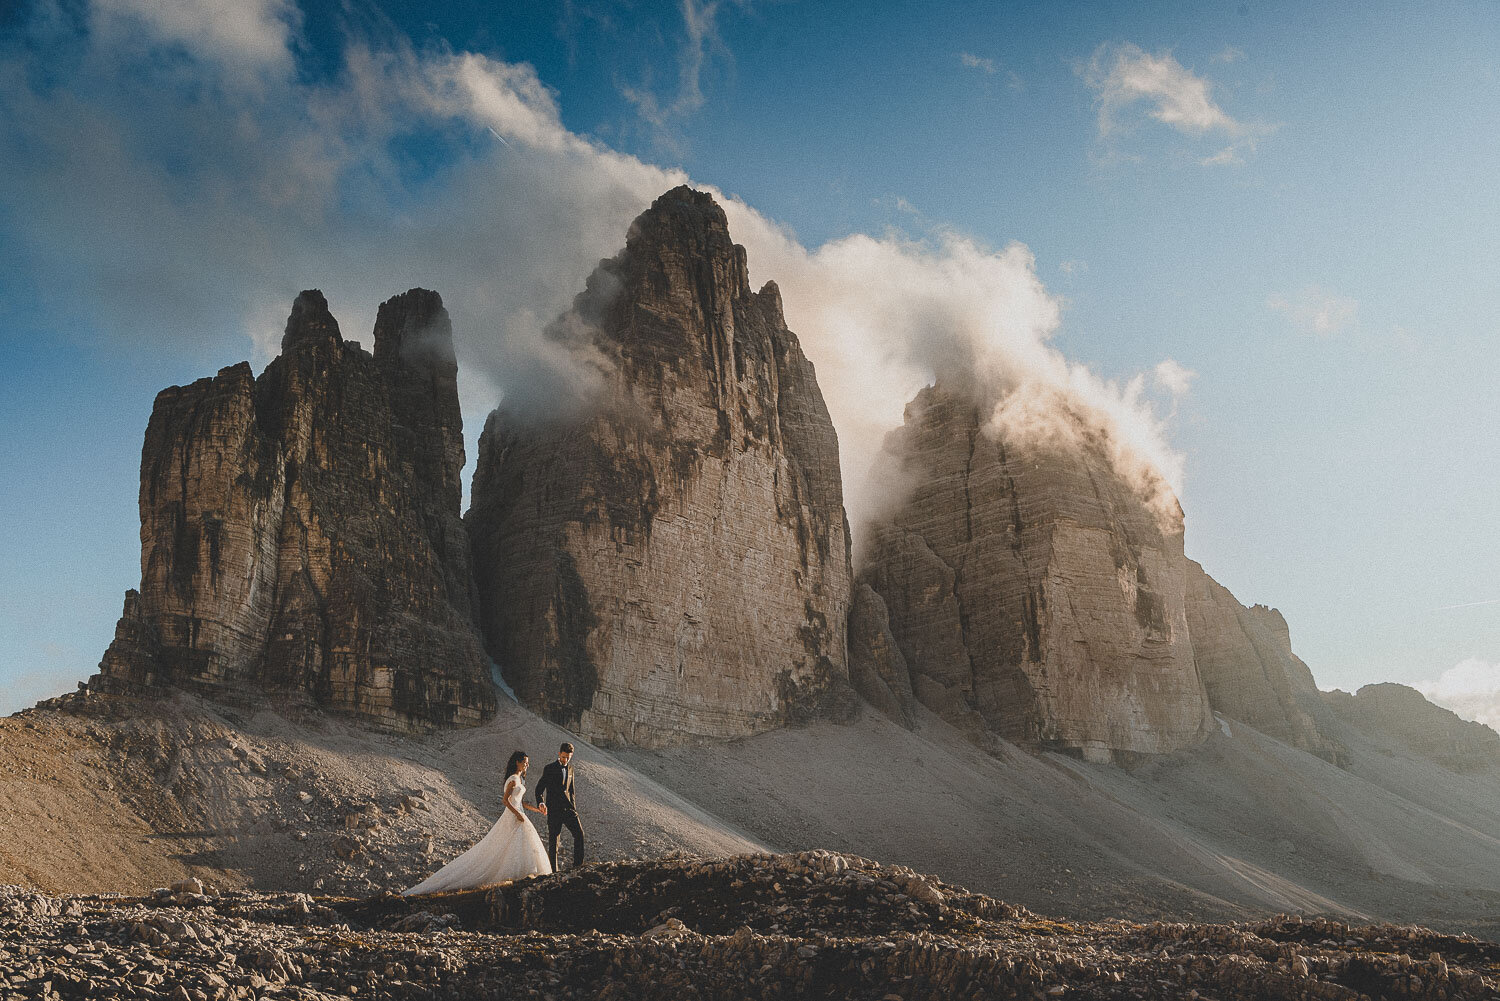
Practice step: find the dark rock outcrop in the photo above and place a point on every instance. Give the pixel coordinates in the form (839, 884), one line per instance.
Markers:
(877, 669)
(1031, 591)
(1245, 658)
(1403, 714)
(300, 532)
(672, 562)
(814, 924)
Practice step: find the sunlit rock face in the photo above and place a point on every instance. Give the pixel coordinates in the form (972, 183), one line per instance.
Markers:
(300, 532)
(1246, 660)
(669, 561)
(1032, 593)
(1402, 714)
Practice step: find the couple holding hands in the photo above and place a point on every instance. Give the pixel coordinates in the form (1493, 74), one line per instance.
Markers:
(512, 849)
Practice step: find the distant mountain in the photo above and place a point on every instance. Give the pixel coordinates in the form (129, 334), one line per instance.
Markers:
(1403, 714)
(1245, 658)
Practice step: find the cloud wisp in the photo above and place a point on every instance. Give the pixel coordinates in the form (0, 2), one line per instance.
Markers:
(1129, 83)
(700, 22)
(231, 197)
(1315, 310)
(988, 67)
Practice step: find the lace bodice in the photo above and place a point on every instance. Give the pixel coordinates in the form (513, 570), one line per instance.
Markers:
(515, 791)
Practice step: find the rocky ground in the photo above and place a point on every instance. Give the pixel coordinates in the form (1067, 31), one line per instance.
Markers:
(814, 924)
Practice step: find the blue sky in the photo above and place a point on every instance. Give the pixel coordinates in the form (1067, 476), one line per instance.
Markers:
(1294, 204)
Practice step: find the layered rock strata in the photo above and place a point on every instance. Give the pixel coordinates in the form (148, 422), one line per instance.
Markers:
(1403, 714)
(1031, 591)
(1245, 658)
(300, 532)
(671, 562)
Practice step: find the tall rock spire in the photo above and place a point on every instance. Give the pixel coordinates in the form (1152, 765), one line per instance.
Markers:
(301, 532)
(672, 563)
(1032, 594)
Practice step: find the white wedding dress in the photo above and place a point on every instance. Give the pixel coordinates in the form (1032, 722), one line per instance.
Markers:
(510, 850)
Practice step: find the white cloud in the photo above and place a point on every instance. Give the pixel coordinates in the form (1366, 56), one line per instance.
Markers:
(1227, 155)
(1316, 310)
(1127, 81)
(1173, 378)
(299, 187)
(1122, 75)
(1229, 54)
(973, 62)
(700, 20)
(1470, 688)
(248, 37)
(989, 67)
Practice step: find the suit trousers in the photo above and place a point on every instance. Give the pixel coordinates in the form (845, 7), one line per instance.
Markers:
(556, 821)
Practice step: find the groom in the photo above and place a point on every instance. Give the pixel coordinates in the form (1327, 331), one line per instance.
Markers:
(555, 792)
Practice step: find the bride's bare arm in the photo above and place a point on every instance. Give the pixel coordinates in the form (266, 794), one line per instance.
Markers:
(519, 815)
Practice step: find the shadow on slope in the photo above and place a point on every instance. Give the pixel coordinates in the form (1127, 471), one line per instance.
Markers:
(1240, 826)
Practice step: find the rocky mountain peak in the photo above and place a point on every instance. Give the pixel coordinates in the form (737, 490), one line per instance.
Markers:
(413, 328)
(679, 254)
(685, 220)
(770, 300)
(1403, 715)
(300, 532)
(672, 564)
(1030, 590)
(310, 322)
(1244, 655)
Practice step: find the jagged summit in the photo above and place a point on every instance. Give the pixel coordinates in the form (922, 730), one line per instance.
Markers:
(301, 534)
(413, 328)
(309, 321)
(1032, 592)
(672, 564)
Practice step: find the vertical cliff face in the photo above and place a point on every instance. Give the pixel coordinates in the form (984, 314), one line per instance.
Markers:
(672, 563)
(1246, 660)
(1031, 593)
(300, 532)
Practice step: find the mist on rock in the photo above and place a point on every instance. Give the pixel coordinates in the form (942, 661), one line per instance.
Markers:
(304, 179)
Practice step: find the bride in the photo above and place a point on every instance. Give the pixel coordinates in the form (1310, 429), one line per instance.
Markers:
(511, 850)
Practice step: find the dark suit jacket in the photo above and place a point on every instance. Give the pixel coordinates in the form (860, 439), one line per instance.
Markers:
(554, 792)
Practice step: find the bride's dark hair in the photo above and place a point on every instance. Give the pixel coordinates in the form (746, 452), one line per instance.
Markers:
(514, 764)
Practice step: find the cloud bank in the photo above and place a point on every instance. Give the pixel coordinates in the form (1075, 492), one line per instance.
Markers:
(1470, 688)
(189, 183)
